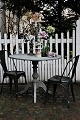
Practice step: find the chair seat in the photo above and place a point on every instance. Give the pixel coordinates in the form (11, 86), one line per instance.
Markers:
(14, 72)
(58, 79)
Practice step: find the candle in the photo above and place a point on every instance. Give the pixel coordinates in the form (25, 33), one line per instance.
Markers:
(30, 21)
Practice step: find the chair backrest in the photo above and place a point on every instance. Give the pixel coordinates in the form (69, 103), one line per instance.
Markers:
(2, 60)
(3, 53)
(71, 64)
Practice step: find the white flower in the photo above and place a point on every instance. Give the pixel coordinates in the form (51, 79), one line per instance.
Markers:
(50, 29)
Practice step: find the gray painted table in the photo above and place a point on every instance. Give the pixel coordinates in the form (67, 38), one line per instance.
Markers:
(36, 83)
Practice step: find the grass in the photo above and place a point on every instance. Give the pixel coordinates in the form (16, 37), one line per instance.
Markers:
(24, 109)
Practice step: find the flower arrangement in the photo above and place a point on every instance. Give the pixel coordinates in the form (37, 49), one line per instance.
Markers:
(48, 32)
(42, 35)
(35, 30)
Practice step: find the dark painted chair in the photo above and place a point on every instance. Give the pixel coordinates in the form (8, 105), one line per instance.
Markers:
(64, 81)
(12, 75)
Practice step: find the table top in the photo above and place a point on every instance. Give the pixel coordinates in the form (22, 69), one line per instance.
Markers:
(33, 57)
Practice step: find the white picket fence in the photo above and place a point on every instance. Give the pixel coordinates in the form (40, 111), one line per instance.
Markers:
(46, 69)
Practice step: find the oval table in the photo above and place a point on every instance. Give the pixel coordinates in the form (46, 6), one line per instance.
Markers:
(36, 83)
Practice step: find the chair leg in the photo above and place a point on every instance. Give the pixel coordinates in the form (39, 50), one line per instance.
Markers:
(72, 91)
(2, 85)
(10, 84)
(46, 94)
(16, 87)
(54, 90)
(67, 94)
(25, 79)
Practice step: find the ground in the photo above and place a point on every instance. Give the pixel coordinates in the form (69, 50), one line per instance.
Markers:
(23, 108)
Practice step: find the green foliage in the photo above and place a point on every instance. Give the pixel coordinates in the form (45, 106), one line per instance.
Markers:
(45, 49)
(51, 9)
(53, 14)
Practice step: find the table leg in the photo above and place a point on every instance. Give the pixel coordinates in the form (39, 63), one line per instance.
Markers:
(36, 84)
(41, 84)
(35, 76)
(30, 84)
(34, 92)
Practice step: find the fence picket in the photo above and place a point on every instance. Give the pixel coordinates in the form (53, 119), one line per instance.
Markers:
(74, 43)
(46, 68)
(11, 44)
(62, 51)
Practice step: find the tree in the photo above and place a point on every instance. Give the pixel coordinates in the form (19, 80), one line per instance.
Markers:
(53, 11)
(2, 19)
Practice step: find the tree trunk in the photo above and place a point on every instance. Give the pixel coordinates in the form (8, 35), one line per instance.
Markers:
(2, 19)
(17, 22)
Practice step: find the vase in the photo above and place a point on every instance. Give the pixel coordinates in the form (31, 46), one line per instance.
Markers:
(38, 52)
(38, 47)
(45, 49)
